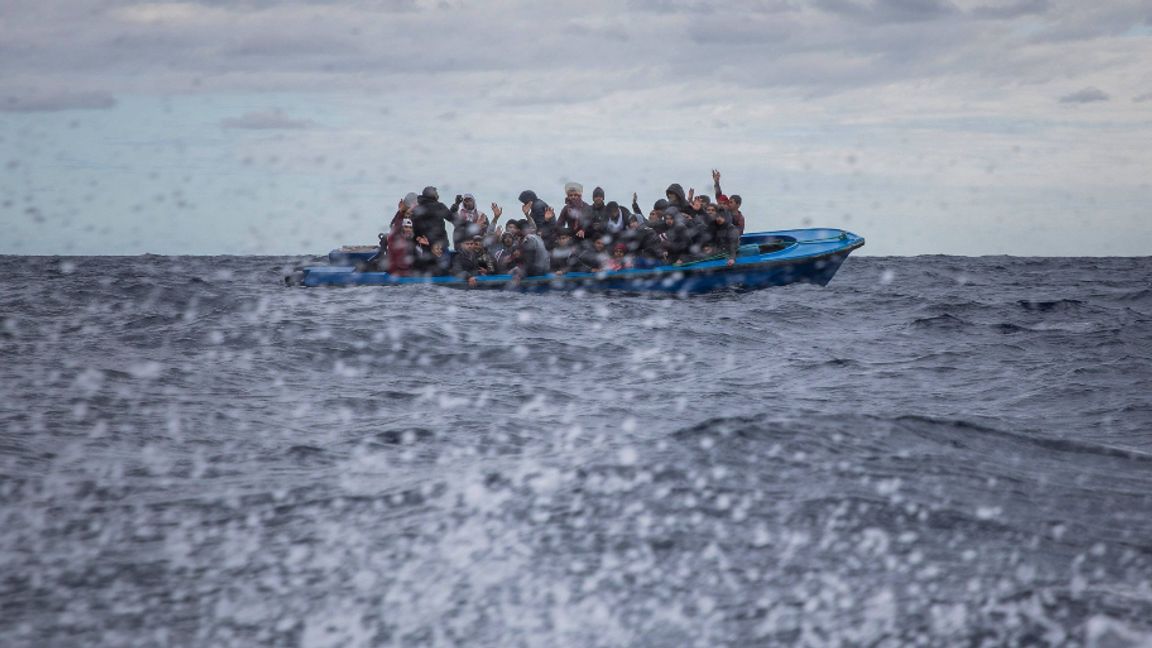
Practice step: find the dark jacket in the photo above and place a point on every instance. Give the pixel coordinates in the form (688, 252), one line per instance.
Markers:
(725, 238)
(677, 238)
(538, 206)
(576, 217)
(428, 219)
(642, 241)
(680, 200)
(470, 264)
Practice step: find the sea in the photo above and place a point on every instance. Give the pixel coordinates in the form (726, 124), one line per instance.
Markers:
(929, 451)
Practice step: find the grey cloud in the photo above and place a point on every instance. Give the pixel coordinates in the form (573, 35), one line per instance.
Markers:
(1011, 10)
(270, 120)
(884, 11)
(1142, 98)
(1086, 95)
(57, 102)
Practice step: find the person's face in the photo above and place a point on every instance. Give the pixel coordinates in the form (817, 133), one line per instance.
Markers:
(697, 203)
(508, 239)
(598, 201)
(599, 245)
(469, 204)
(407, 231)
(672, 198)
(563, 240)
(437, 249)
(574, 196)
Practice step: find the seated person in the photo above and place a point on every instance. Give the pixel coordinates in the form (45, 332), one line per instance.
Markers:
(472, 260)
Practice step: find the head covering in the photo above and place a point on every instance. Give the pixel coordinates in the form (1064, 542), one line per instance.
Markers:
(477, 237)
(573, 186)
(407, 222)
(467, 196)
(660, 205)
(597, 193)
(410, 199)
(721, 198)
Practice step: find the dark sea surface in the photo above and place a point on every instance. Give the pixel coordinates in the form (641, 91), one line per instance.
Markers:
(929, 451)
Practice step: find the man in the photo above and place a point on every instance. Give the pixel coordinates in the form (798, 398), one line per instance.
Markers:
(534, 259)
(721, 235)
(467, 220)
(642, 240)
(731, 203)
(575, 214)
(533, 207)
(429, 217)
(598, 214)
(472, 260)
(402, 249)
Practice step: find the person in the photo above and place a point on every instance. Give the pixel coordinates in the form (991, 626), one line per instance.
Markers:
(467, 220)
(597, 216)
(504, 254)
(616, 222)
(731, 203)
(402, 249)
(575, 214)
(720, 236)
(472, 260)
(676, 239)
(620, 258)
(533, 207)
(434, 262)
(533, 255)
(429, 217)
(676, 197)
(642, 240)
(566, 255)
(547, 228)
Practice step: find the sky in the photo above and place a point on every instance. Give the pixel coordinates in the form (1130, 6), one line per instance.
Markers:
(970, 127)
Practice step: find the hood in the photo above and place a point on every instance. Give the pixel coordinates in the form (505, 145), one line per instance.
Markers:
(678, 191)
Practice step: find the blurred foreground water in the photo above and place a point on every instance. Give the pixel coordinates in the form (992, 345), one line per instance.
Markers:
(929, 451)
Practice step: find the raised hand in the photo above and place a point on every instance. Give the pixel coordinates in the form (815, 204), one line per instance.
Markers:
(549, 214)
(691, 193)
(402, 207)
(715, 175)
(526, 208)
(496, 212)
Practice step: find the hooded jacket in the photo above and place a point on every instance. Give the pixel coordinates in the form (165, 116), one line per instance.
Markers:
(428, 218)
(538, 207)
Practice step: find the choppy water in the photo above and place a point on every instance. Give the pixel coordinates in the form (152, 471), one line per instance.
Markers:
(931, 450)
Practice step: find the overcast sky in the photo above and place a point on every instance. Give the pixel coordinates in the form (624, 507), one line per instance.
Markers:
(265, 126)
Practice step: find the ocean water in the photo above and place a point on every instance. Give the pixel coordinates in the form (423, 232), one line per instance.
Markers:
(929, 451)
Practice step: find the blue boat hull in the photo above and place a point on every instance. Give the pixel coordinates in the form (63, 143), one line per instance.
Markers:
(767, 259)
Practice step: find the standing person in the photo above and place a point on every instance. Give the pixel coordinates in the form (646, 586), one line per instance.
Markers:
(429, 217)
(574, 215)
(598, 213)
(616, 221)
(676, 198)
(533, 206)
(731, 203)
(467, 220)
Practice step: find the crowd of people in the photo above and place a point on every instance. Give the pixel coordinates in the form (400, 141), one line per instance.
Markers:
(584, 237)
